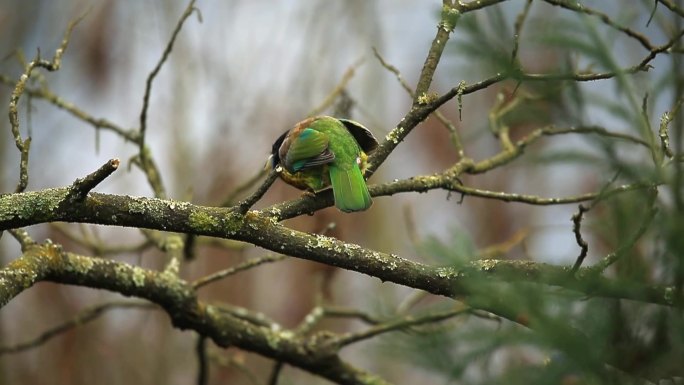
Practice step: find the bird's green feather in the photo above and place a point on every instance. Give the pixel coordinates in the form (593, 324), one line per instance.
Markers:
(306, 148)
(349, 188)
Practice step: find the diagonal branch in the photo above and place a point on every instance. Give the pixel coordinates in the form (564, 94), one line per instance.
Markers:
(81, 187)
(400, 324)
(248, 202)
(46, 94)
(150, 78)
(236, 269)
(48, 262)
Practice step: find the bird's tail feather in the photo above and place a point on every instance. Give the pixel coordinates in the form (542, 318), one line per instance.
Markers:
(349, 189)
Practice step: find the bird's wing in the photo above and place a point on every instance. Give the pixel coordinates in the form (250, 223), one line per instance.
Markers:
(363, 136)
(308, 149)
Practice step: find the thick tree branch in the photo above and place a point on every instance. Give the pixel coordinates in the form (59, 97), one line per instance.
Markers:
(24, 209)
(48, 262)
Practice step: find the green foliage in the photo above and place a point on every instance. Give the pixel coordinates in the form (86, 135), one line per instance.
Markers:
(484, 38)
(638, 235)
(455, 250)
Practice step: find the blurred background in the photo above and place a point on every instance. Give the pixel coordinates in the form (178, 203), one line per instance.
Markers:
(250, 70)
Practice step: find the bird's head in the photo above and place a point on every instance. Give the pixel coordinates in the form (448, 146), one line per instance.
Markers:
(274, 159)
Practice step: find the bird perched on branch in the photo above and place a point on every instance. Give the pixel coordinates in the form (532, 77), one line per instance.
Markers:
(323, 151)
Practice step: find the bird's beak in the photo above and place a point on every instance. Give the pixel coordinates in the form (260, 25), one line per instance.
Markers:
(269, 163)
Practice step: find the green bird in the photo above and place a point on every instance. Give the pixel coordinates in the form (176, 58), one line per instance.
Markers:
(323, 151)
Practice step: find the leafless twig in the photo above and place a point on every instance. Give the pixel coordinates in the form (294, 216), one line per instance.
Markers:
(85, 316)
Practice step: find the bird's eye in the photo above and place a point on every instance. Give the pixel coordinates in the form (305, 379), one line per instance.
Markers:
(279, 168)
(358, 160)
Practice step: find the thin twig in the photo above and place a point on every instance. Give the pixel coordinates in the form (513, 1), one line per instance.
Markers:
(519, 23)
(150, 78)
(311, 320)
(401, 324)
(202, 363)
(23, 237)
(672, 6)
(46, 94)
(453, 133)
(23, 145)
(342, 312)
(663, 131)
(143, 159)
(96, 246)
(630, 242)
(248, 202)
(576, 229)
(653, 12)
(578, 8)
(275, 373)
(339, 89)
(239, 190)
(597, 130)
(236, 269)
(258, 319)
(411, 300)
(85, 316)
(420, 184)
(404, 84)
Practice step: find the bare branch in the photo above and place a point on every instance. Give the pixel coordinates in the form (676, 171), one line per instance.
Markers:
(83, 317)
(247, 185)
(248, 202)
(150, 78)
(672, 6)
(96, 245)
(453, 133)
(663, 130)
(275, 373)
(46, 94)
(613, 257)
(576, 229)
(338, 90)
(403, 323)
(202, 363)
(23, 145)
(81, 187)
(519, 23)
(576, 7)
(342, 312)
(236, 269)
